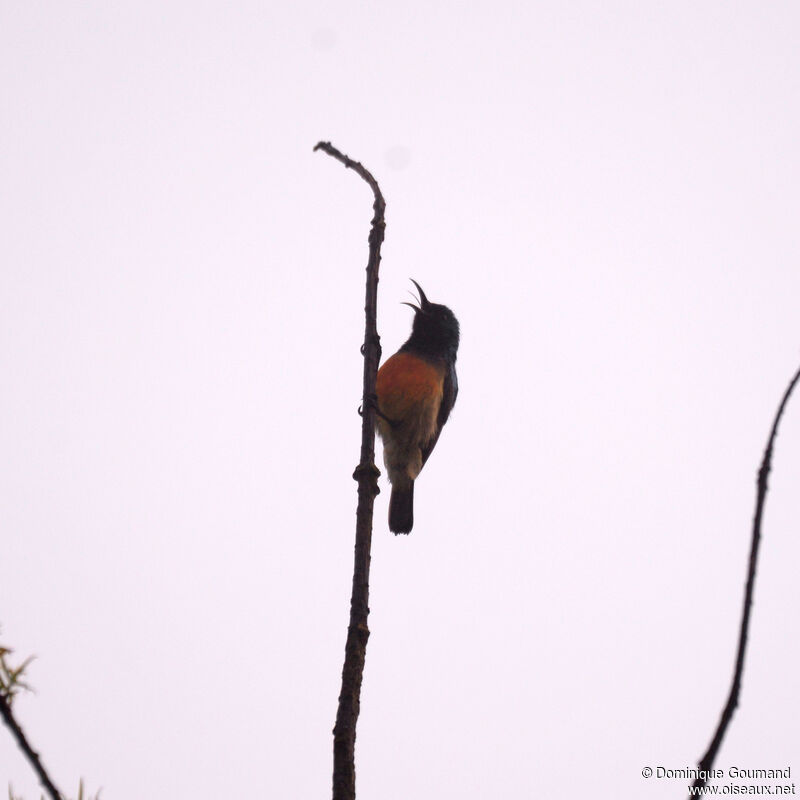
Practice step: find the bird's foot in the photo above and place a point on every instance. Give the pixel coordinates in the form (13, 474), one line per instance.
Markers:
(372, 402)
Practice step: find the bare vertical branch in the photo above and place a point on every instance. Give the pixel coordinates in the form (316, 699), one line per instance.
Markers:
(366, 473)
(707, 761)
(24, 745)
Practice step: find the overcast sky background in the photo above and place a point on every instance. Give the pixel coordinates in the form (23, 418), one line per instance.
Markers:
(606, 194)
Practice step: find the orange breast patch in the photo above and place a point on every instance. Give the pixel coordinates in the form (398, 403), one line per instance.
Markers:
(406, 382)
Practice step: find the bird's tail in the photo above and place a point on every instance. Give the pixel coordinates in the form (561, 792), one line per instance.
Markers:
(401, 509)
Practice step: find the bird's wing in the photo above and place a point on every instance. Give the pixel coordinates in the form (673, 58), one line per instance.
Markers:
(449, 394)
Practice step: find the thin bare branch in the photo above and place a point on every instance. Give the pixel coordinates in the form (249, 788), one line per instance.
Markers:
(366, 473)
(30, 753)
(707, 761)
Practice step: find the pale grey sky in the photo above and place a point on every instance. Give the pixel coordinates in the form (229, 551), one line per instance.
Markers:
(606, 194)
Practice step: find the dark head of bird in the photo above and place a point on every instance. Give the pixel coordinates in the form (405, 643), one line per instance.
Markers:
(435, 329)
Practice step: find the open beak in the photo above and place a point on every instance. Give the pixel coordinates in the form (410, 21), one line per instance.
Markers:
(423, 300)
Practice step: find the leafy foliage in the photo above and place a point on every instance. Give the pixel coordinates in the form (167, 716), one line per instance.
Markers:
(11, 681)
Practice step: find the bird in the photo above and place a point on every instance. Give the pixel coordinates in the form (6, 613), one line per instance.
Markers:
(416, 390)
